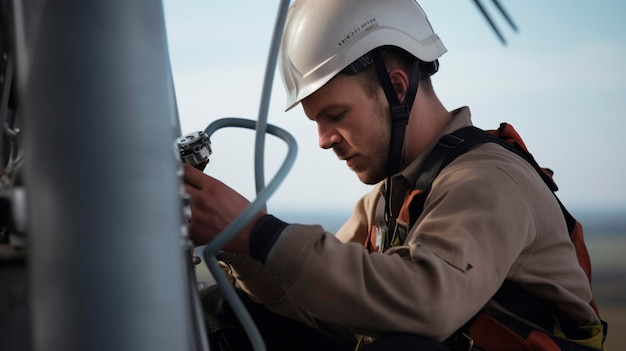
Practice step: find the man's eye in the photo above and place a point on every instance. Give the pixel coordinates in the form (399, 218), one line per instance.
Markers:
(336, 117)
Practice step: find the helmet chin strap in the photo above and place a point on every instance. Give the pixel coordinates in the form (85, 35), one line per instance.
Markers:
(399, 118)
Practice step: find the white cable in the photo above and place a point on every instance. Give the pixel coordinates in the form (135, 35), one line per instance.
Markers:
(263, 193)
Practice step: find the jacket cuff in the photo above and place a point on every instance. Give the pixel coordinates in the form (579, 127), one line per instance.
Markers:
(264, 235)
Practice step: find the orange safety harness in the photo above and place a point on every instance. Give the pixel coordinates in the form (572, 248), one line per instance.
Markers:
(546, 327)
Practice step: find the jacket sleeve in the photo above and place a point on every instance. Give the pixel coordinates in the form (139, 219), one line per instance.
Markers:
(259, 283)
(454, 260)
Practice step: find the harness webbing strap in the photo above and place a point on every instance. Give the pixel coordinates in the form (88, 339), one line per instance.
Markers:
(399, 119)
(543, 313)
(503, 333)
(511, 295)
(452, 145)
(399, 113)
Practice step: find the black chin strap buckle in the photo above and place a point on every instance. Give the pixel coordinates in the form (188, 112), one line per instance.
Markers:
(400, 115)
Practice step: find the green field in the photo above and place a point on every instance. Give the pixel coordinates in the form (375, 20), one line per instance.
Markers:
(608, 260)
(615, 315)
(607, 251)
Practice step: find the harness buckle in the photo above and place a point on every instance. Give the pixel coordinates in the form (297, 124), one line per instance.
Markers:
(400, 114)
(470, 341)
(450, 141)
(458, 342)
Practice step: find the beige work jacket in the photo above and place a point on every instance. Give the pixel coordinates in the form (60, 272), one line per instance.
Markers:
(489, 217)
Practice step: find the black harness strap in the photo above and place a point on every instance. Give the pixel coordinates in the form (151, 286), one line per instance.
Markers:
(399, 118)
(448, 148)
(511, 295)
(537, 310)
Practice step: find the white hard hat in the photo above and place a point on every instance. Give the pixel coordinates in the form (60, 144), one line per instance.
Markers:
(322, 37)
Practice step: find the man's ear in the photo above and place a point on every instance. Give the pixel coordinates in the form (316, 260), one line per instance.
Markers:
(400, 81)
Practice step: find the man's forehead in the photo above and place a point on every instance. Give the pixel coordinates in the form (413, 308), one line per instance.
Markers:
(336, 94)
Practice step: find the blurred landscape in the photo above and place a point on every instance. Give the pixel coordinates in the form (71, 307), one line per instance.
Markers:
(605, 234)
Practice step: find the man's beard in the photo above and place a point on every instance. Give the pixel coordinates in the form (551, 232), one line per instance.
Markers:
(374, 170)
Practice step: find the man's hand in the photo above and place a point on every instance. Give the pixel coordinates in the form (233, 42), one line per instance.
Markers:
(214, 205)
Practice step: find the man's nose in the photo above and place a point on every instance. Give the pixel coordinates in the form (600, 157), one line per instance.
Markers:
(327, 136)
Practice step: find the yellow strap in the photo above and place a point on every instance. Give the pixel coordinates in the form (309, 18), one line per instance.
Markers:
(595, 341)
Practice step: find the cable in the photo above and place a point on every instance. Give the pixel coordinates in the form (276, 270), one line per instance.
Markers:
(198, 333)
(263, 192)
(258, 204)
(259, 149)
(491, 23)
(505, 14)
(211, 249)
(235, 303)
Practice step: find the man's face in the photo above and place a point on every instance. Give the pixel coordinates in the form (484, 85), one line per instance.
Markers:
(354, 124)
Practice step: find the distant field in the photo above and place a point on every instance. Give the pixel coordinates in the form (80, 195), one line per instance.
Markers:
(616, 317)
(607, 251)
(608, 260)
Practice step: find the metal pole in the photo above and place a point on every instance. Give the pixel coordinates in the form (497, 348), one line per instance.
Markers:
(104, 208)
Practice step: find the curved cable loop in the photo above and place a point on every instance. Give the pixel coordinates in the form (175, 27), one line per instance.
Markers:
(263, 192)
(211, 249)
(258, 204)
(235, 303)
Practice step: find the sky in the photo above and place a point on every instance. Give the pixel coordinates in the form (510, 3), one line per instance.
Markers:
(559, 81)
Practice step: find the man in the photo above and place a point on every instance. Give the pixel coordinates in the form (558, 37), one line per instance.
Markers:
(360, 68)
